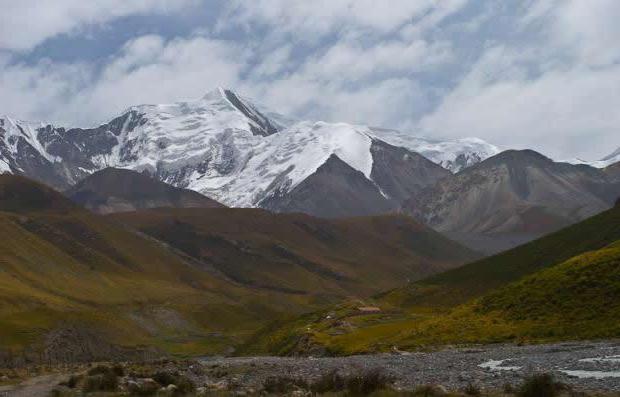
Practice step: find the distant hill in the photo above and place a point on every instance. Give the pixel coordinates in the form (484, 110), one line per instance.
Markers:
(518, 194)
(299, 253)
(118, 190)
(474, 279)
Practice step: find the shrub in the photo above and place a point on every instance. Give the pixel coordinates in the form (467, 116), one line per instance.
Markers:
(360, 384)
(472, 390)
(72, 382)
(184, 384)
(164, 378)
(367, 383)
(143, 390)
(99, 370)
(540, 385)
(101, 382)
(329, 382)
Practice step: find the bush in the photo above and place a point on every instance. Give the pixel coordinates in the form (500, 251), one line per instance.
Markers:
(472, 390)
(361, 384)
(72, 382)
(541, 385)
(164, 378)
(367, 383)
(101, 382)
(329, 382)
(143, 390)
(184, 384)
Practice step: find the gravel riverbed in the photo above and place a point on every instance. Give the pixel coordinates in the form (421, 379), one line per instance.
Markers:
(584, 365)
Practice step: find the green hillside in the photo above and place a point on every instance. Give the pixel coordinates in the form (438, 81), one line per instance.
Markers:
(303, 254)
(64, 270)
(532, 293)
(79, 286)
(458, 285)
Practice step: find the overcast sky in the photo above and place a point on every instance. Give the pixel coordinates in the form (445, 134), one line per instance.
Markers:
(543, 74)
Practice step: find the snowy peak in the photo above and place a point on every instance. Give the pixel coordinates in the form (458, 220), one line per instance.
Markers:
(602, 163)
(454, 155)
(236, 151)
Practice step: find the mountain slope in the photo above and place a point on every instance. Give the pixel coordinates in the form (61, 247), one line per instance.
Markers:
(76, 286)
(303, 254)
(515, 192)
(563, 286)
(69, 276)
(116, 190)
(613, 171)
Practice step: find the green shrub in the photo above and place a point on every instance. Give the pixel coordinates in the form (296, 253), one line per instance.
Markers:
(472, 390)
(101, 382)
(329, 382)
(540, 385)
(361, 384)
(367, 383)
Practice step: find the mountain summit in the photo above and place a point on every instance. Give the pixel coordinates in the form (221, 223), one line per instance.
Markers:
(227, 147)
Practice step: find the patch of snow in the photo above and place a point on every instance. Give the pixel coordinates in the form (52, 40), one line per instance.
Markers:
(592, 374)
(602, 163)
(612, 359)
(496, 365)
(454, 155)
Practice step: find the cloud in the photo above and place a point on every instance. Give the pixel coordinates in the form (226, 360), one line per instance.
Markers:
(540, 73)
(24, 24)
(557, 92)
(148, 69)
(308, 21)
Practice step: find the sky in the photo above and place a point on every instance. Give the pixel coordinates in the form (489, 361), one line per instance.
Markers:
(541, 74)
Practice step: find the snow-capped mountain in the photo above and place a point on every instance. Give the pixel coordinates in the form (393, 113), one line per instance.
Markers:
(454, 155)
(241, 154)
(606, 161)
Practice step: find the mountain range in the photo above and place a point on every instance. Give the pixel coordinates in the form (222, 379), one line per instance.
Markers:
(240, 154)
(513, 197)
(227, 148)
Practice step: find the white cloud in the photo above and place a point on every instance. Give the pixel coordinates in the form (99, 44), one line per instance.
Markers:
(555, 112)
(349, 61)
(26, 23)
(148, 69)
(547, 78)
(309, 20)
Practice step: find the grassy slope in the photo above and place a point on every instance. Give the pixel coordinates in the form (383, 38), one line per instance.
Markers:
(356, 256)
(564, 286)
(472, 280)
(62, 265)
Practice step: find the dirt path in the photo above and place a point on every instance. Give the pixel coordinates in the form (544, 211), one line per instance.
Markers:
(39, 386)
